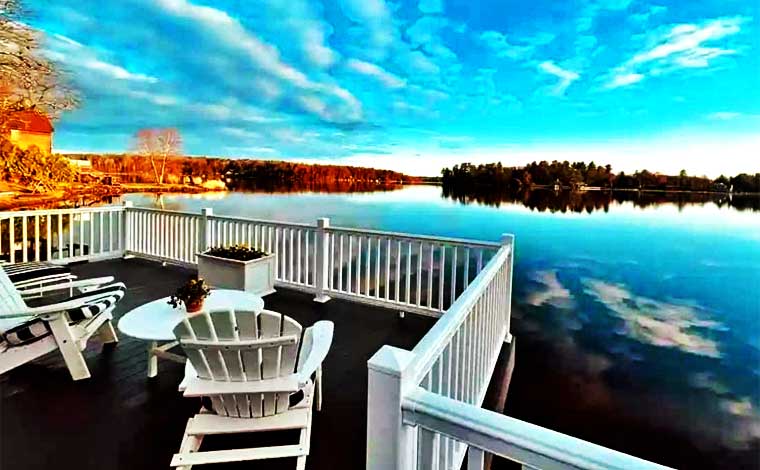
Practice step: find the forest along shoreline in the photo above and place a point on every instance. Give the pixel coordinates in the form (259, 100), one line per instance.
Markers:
(100, 178)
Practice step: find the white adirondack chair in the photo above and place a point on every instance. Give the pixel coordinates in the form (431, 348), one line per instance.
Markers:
(27, 333)
(249, 366)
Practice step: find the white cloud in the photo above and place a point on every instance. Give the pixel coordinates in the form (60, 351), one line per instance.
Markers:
(497, 42)
(373, 17)
(677, 47)
(625, 79)
(388, 79)
(74, 54)
(723, 115)
(231, 34)
(566, 77)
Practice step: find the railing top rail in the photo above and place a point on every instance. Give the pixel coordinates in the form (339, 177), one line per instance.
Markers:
(22, 213)
(300, 225)
(435, 340)
(415, 237)
(163, 211)
(527, 443)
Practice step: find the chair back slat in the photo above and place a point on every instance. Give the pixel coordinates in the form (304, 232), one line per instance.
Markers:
(236, 352)
(225, 325)
(184, 331)
(288, 354)
(10, 299)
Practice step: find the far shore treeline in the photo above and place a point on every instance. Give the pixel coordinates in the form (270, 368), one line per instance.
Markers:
(238, 172)
(579, 176)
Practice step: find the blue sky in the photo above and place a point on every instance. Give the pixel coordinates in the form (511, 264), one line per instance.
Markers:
(416, 85)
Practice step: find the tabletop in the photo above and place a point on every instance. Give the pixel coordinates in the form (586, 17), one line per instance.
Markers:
(155, 321)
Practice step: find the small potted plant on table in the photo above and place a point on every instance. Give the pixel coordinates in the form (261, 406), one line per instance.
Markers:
(191, 294)
(238, 267)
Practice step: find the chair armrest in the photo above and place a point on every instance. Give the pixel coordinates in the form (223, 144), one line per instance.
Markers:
(40, 281)
(84, 283)
(318, 339)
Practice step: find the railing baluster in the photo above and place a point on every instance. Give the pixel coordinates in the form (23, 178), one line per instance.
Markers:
(48, 237)
(24, 240)
(36, 237)
(91, 246)
(430, 276)
(367, 268)
(377, 268)
(408, 272)
(60, 235)
(358, 289)
(11, 238)
(419, 275)
(71, 234)
(298, 257)
(340, 263)
(441, 277)
(388, 269)
(453, 274)
(398, 271)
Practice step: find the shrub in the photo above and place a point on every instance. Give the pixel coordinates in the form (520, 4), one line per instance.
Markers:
(236, 252)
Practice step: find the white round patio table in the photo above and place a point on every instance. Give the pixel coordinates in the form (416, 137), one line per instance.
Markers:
(155, 321)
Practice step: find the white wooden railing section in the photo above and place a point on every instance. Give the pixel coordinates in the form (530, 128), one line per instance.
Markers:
(413, 273)
(423, 405)
(62, 235)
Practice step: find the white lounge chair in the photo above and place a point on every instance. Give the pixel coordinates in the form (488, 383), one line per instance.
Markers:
(250, 367)
(27, 333)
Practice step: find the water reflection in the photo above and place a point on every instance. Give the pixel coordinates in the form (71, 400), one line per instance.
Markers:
(544, 200)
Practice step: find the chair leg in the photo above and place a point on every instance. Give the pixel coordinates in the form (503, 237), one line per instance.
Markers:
(190, 443)
(107, 334)
(69, 347)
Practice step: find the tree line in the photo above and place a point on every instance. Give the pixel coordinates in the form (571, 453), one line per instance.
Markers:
(140, 169)
(577, 175)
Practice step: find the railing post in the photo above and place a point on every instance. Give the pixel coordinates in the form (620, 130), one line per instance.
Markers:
(507, 239)
(204, 238)
(321, 268)
(391, 444)
(126, 229)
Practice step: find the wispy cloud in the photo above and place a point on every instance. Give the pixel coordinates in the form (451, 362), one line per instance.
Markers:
(723, 115)
(566, 77)
(498, 44)
(677, 47)
(666, 324)
(371, 70)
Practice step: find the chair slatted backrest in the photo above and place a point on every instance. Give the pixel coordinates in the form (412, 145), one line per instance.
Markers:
(10, 299)
(231, 346)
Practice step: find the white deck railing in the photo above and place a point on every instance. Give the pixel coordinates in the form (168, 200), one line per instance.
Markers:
(413, 273)
(62, 235)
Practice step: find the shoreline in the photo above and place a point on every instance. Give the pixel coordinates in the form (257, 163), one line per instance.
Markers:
(86, 195)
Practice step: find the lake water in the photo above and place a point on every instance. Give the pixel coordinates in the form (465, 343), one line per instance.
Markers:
(637, 328)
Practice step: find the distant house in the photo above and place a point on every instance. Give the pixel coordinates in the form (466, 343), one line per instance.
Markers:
(28, 128)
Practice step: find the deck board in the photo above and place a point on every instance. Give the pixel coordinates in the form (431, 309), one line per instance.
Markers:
(120, 419)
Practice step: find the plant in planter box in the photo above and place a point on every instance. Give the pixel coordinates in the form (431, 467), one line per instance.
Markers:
(238, 267)
(236, 252)
(191, 294)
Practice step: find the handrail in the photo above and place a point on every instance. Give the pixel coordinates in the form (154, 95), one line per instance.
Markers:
(415, 237)
(529, 444)
(65, 211)
(431, 345)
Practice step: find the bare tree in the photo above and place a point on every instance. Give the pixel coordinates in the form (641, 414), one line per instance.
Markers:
(158, 144)
(27, 79)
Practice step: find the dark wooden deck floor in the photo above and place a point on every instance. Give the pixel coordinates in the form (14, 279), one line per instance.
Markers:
(120, 419)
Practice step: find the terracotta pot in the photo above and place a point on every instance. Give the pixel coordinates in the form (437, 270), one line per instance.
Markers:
(194, 306)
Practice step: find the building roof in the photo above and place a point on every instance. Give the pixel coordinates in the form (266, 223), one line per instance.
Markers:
(30, 121)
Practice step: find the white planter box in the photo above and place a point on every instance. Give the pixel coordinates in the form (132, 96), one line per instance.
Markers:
(255, 276)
